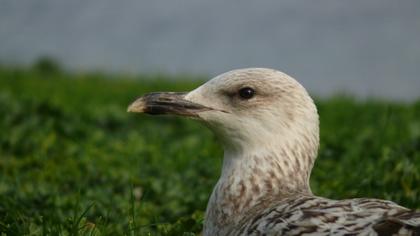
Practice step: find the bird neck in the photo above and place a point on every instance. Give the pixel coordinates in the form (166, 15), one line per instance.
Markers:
(258, 178)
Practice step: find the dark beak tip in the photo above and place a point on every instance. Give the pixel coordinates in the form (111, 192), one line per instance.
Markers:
(163, 103)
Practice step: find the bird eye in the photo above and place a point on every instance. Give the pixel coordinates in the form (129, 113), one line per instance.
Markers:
(246, 93)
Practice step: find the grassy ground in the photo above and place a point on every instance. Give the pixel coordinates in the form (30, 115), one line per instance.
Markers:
(73, 162)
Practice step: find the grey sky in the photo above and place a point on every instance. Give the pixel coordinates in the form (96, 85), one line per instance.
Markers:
(363, 47)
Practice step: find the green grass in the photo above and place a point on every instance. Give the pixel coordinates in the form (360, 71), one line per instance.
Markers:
(73, 162)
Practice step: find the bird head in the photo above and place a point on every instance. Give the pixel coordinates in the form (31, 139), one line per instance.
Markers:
(245, 108)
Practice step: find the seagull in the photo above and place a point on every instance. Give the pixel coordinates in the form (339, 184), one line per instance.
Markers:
(269, 128)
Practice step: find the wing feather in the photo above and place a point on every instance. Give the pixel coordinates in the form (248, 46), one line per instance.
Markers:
(310, 215)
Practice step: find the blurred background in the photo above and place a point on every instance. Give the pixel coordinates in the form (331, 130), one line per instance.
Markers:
(365, 48)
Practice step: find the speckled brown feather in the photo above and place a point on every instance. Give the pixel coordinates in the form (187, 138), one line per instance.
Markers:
(320, 216)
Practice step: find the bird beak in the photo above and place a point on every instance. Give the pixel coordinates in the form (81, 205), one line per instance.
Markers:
(166, 103)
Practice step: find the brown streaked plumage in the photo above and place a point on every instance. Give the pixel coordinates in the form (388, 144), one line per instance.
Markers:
(270, 136)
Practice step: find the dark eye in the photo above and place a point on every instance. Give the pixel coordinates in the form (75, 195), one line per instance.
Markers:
(246, 93)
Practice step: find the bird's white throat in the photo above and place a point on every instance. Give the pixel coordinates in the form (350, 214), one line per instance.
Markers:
(256, 176)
